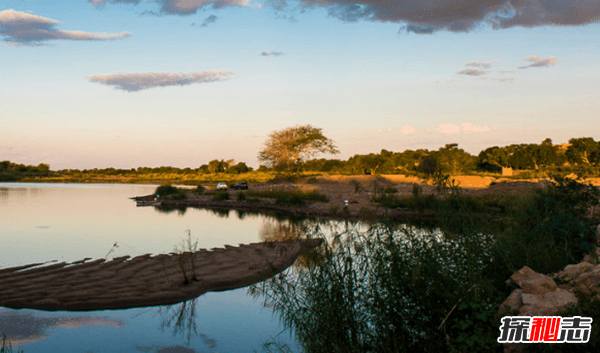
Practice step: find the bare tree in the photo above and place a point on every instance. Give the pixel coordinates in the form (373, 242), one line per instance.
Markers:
(286, 149)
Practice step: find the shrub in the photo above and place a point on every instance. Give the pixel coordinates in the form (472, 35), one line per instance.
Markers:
(199, 190)
(165, 190)
(179, 196)
(241, 196)
(390, 190)
(221, 196)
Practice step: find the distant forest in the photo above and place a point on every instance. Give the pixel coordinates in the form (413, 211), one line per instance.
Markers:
(580, 156)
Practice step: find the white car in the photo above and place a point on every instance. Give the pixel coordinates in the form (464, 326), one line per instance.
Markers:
(221, 186)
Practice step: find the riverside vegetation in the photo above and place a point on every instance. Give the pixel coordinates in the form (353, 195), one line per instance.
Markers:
(580, 156)
(395, 288)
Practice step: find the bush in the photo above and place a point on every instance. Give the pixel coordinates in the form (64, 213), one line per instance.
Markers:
(165, 190)
(179, 196)
(199, 190)
(221, 196)
(552, 228)
(390, 190)
(241, 196)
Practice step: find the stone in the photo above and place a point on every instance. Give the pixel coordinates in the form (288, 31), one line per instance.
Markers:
(546, 304)
(514, 301)
(589, 281)
(573, 271)
(532, 282)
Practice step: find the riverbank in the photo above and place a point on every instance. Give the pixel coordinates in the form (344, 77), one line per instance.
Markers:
(349, 197)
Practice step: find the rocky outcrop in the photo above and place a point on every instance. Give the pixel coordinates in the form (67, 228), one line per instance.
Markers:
(540, 295)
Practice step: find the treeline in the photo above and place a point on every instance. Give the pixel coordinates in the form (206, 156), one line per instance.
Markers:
(12, 171)
(580, 155)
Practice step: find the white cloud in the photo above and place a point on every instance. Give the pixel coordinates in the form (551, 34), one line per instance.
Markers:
(139, 81)
(468, 127)
(22, 28)
(407, 130)
(448, 128)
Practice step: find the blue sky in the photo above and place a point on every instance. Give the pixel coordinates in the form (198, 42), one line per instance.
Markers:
(171, 82)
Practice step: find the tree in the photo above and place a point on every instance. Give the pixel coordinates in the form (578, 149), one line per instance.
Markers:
(286, 149)
(583, 151)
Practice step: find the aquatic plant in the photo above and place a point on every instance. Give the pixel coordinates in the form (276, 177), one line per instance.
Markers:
(6, 346)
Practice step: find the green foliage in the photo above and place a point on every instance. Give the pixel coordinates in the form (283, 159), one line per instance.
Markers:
(241, 196)
(390, 190)
(286, 149)
(381, 290)
(220, 196)
(179, 196)
(552, 227)
(165, 190)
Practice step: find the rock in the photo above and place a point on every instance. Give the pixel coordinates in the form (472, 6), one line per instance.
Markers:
(589, 281)
(546, 304)
(573, 271)
(532, 282)
(514, 301)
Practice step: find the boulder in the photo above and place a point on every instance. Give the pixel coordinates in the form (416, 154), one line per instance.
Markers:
(514, 301)
(588, 281)
(573, 271)
(547, 304)
(532, 282)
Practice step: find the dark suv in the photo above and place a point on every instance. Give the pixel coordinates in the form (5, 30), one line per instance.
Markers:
(240, 185)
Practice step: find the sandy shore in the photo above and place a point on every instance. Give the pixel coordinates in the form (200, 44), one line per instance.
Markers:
(144, 280)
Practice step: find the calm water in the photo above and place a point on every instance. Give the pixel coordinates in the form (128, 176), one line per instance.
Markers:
(68, 222)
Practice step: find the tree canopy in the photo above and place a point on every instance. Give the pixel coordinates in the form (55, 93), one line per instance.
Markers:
(286, 149)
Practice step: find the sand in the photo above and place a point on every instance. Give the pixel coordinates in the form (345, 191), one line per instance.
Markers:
(144, 280)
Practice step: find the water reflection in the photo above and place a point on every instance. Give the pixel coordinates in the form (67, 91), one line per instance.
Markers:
(378, 289)
(23, 328)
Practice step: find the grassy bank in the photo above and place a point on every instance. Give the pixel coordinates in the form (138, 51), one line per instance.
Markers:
(396, 288)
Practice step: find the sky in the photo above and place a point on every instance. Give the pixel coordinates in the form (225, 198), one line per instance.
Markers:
(129, 83)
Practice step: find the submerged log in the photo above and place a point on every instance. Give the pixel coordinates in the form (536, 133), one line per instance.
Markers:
(144, 280)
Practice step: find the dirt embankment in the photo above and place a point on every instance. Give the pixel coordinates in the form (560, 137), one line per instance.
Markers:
(357, 190)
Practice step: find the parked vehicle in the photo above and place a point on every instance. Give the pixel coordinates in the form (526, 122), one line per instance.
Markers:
(221, 186)
(240, 185)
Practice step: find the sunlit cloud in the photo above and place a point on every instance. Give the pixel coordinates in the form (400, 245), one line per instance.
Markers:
(177, 7)
(22, 28)
(536, 61)
(509, 71)
(448, 128)
(133, 82)
(482, 65)
(407, 130)
(271, 53)
(468, 127)
(472, 72)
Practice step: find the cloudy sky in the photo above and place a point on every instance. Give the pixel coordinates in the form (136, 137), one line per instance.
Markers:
(128, 83)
